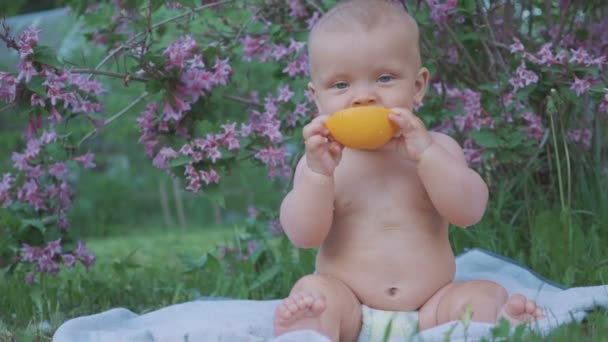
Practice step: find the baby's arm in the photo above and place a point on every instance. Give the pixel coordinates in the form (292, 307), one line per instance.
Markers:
(458, 193)
(307, 210)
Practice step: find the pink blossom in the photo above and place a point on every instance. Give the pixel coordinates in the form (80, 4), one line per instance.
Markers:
(27, 40)
(272, 156)
(298, 67)
(309, 96)
(297, 10)
(36, 100)
(439, 11)
(228, 138)
(535, 125)
(210, 177)
(517, 46)
(170, 114)
(58, 170)
(562, 57)
(65, 195)
(279, 51)
(68, 260)
(30, 193)
(46, 264)
(33, 148)
(523, 77)
(472, 152)
(580, 56)
(453, 55)
(246, 129)
(20, 161)
(545, 56)
(582, 136)
(8, 87)
(26, 71)
(48, 137)
(179, 51)
(254, 46)
(580, 86)
(275, 227)
(86, 160)
(82, 253)
(252, 211)
(222, 71)
(163, 157)
(174, 5)
(5, 187)
(35, 172)
(285, 93)
(196, 61)
(193, 178)
(295, 46)
(53, 248)
(55, 116)
(310, 22)
(195, 83)
(30, 253)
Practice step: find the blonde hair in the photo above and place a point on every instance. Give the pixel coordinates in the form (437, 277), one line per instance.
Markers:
(366, 15)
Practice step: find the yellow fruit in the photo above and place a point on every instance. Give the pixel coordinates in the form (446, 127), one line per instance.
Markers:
(365, 128)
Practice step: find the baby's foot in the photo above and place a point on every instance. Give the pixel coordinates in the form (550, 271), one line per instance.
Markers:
(518, 309)
(299, 311)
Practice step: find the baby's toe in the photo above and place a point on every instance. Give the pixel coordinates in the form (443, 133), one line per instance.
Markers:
(530, 306)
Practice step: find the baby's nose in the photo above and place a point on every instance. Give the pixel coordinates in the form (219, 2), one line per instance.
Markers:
(366, 99)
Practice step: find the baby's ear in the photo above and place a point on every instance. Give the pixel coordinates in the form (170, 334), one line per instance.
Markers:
(313, 91)
(422, 80)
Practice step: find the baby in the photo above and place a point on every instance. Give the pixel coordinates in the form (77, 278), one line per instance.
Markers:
(381, 217)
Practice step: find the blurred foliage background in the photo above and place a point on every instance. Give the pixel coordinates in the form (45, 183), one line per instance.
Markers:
(125, 191)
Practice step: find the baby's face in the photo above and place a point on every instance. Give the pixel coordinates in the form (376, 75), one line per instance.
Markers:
(360, 68)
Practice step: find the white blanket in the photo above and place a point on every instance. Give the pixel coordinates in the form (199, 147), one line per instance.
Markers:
(249, 320)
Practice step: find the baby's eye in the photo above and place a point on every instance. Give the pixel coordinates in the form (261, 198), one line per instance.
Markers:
(385, 78)
(341, 85)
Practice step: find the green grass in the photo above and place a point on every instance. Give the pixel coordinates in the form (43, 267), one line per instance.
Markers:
(140, 271)
(144, 269)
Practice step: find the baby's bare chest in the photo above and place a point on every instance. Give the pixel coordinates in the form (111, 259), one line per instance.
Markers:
(378, 185)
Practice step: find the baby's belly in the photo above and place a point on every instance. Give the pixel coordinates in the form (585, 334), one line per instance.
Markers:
(395, 268)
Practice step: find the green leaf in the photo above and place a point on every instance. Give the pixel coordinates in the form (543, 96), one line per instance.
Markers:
(35, 85)
(487, 139)
(216, 195)
(46, 55)
(154, 87)
(179, 161)
(515, 138)
(265, 277)
(489, 87)
(38, 224)
(211, 264)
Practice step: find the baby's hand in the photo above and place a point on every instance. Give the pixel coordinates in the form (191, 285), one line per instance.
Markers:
(411, 138)
(322, 154)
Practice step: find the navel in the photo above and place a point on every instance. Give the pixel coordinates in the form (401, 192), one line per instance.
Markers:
(392, 291)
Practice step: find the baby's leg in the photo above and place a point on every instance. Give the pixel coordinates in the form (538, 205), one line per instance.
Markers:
(323, 304)
(489, 301)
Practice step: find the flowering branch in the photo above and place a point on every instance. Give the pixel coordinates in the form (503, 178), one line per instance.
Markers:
(10, 42)
(115, 116)
(125, 77)
(480, 76)
(484, 16)
(160, 23)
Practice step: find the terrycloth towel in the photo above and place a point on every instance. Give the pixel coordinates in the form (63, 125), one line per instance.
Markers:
(249, 320)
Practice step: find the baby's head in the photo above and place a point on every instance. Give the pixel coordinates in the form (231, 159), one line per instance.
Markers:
(365, 52)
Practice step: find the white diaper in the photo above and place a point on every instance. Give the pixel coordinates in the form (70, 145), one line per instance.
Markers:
(403, 325)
